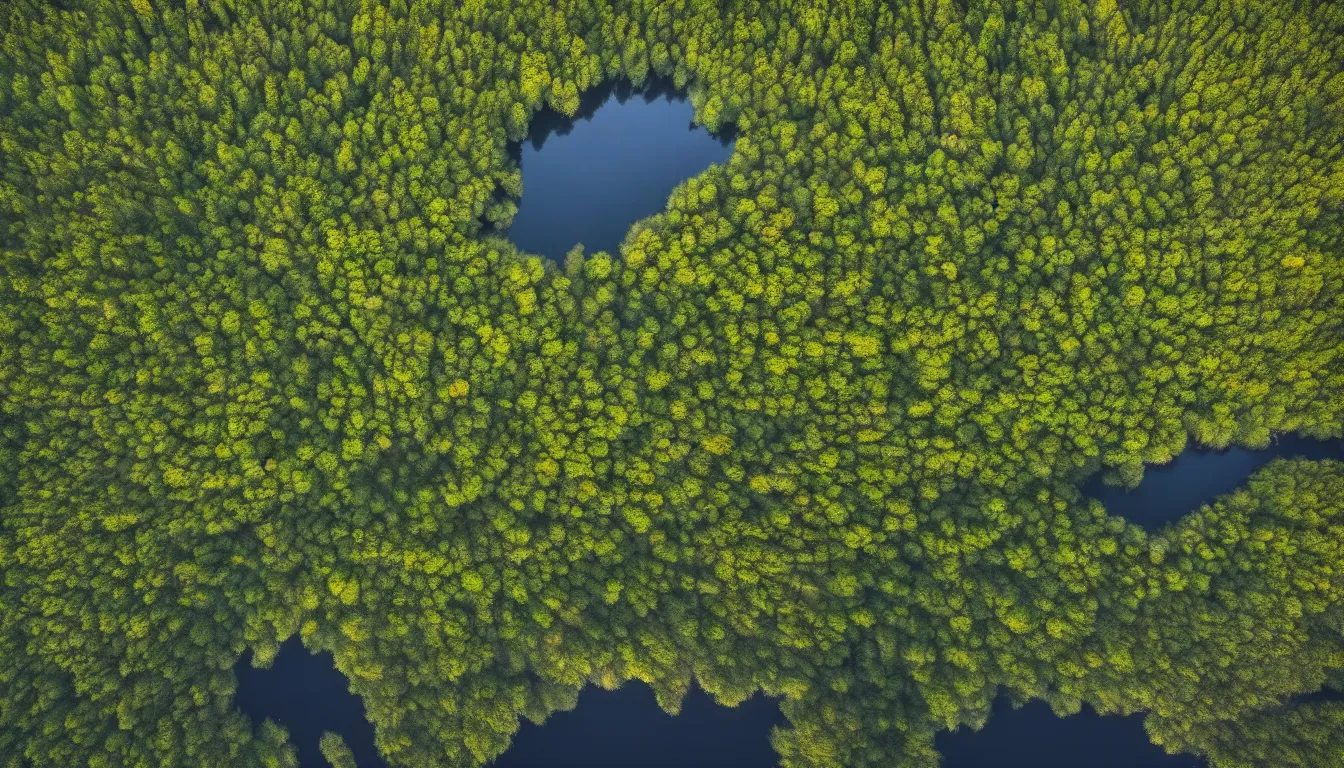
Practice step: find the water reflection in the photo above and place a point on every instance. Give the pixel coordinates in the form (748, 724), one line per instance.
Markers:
(625, 727)
(307, 694)
(586, 179)
(1034, 737)
(547, 122)
(1170, 491)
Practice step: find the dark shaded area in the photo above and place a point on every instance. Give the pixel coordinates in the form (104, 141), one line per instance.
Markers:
(1034, 737)
(307, 694)
(625, 727)
(1322, 696)
(1170, 491)
(615, 162)
(547, 122)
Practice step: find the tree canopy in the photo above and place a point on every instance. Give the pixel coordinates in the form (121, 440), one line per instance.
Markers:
(815, 430)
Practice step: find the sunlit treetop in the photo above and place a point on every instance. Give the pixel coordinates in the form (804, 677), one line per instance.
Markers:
(815, 430)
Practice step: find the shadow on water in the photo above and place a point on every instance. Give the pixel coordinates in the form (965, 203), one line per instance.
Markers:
(1325, 695)
(1170, 491)
(586, 179)
(547, 122)
(625, 727)
(1034, 737)
(306, 694)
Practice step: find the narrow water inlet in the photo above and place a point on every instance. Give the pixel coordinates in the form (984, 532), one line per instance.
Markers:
(1170, 491)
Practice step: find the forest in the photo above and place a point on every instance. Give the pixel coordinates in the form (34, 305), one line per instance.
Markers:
(268, 369)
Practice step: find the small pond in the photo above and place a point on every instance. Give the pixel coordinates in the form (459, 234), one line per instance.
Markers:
(1034, 737)
(625, 727)
(1170, 491)
(306, 694)
(587, 179)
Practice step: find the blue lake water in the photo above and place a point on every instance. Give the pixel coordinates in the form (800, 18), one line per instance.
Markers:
(1170, 491)
(625, 727)
(1034, 737)
(587, 179)
(307, 694)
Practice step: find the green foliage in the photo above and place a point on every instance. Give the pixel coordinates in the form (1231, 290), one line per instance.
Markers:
(335, 750)
(815, 430)
(1301, 736)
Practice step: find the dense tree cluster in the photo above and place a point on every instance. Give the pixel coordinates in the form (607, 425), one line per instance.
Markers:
(334, 748)
(816, 429)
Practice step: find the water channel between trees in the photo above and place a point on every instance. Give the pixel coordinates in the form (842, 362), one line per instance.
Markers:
(614, 164)
(1198, 476)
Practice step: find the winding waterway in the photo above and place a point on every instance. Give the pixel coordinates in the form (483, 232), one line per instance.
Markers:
(1199, 475)
(612, 729)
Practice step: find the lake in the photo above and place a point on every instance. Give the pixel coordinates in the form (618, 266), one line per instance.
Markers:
(1170, 491)
(625, 727)
(587, 179)
(306, 693)
(1034, 737)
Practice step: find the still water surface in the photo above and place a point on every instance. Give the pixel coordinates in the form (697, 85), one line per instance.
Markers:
(613, 729)
(1170, 491)
(306, 694)
(1034, 737)
(587, 179)
(625, 727)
